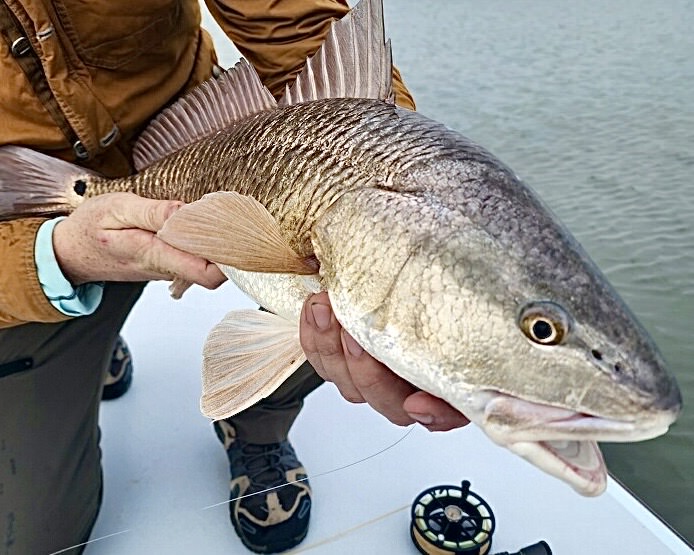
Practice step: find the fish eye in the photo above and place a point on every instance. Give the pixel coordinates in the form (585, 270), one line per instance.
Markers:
(544, 322)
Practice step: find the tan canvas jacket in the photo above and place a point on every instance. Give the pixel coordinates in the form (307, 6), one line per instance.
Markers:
(80, 80)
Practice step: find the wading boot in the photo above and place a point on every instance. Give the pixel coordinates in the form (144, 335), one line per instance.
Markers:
(270, 499)
(119, 374)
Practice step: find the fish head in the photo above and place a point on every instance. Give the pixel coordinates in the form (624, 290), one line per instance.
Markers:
(487, 302)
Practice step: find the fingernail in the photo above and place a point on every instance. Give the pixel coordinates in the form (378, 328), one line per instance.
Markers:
(424, 419)
(352, 346)
(321, 315)
(173, 208)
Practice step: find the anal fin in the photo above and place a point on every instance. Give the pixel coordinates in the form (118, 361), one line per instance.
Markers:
(247, 356)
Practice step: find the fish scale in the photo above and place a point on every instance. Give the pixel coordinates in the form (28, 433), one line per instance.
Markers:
(297, 160)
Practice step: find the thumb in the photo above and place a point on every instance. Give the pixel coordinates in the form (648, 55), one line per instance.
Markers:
(145, 213)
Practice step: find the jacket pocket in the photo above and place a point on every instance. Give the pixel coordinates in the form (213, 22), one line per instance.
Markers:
(16, 366)
(110, 34)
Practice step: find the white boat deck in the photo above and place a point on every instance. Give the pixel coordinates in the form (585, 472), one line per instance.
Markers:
(166, 474)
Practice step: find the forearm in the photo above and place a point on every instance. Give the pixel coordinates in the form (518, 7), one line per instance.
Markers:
(277, 36)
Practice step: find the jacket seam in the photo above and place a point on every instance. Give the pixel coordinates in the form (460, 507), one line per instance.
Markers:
(34, 72)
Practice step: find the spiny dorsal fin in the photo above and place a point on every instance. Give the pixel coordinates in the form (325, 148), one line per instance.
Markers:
(211, 107)
(354, 61)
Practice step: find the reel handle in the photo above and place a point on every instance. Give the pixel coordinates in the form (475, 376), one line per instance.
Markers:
(539, 548)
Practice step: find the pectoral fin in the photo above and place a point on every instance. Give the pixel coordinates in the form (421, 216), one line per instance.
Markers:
(248, 355)
(236, 230)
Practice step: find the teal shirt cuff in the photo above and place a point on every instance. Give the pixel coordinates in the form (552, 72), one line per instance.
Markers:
(69, 300)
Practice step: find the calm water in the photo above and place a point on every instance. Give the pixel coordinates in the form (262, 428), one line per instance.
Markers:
(592, 103)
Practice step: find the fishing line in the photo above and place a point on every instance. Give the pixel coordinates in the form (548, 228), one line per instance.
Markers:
(312, 477)
(338, 469)
(91, 541)
(345, 533)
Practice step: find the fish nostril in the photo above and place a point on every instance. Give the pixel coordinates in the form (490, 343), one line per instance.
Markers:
(597, 355)
(618, 368)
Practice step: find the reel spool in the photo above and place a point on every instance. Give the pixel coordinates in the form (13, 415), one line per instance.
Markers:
(451, 520)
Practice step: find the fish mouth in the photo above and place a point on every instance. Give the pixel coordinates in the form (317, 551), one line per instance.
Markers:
(512, 419)
(560, 441)
(578, 463)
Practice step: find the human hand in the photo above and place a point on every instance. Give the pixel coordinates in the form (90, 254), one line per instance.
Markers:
(360, 378)
(112, 237)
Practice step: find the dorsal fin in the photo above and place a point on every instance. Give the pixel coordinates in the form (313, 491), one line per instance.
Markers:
(354, 61)
(211, 107)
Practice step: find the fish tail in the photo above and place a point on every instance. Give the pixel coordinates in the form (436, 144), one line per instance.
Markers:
(35, 184)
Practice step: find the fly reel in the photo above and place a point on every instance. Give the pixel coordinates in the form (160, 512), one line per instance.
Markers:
(451, 520)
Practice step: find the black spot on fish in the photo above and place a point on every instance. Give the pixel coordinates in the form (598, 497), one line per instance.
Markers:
(80, 187)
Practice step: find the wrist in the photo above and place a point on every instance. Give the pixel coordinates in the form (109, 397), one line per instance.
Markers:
(63, 294)
(63, 253)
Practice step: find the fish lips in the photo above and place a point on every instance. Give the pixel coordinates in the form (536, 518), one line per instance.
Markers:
(578, 463)
(509, 419)
(560, 441)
